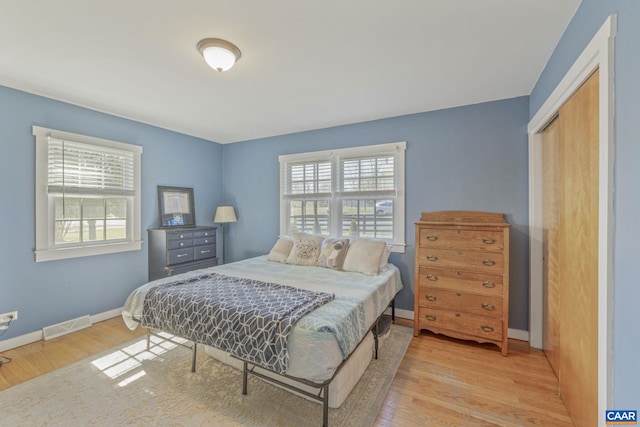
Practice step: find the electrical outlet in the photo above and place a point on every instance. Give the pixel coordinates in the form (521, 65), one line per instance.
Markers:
(8, 317)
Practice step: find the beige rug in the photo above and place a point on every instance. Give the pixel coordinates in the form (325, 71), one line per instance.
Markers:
(129, 386)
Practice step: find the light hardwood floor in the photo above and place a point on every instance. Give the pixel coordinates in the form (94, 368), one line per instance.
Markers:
(440, 382)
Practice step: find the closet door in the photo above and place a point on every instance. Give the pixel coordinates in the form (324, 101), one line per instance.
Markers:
(551, 189)
(570, 250)
(579, 258)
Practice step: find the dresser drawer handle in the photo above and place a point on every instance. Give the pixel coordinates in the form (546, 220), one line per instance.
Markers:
(486, 328)
(430, 317)
(181, 244)
(432, 237)
(182, 236)
(488, 284)
(431, 298)
(488, 240)
(205, 252)
(181, 255)
(432, 277)
(431, 257)
(488, 262)
(488, 306)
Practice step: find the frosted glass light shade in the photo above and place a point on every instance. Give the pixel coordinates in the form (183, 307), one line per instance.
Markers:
(219, 54)
(225, 214)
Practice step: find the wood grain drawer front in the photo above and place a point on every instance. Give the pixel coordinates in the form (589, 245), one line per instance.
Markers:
(206, 251)
(490, 262)
(447, 238)
(466, 281)
(479, 326)
(483, 305)
(177, 256)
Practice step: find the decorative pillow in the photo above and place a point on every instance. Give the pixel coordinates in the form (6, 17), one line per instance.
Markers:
(281, 250)
(305, 250)
(333, 253)
(384, 259)
(364, 256)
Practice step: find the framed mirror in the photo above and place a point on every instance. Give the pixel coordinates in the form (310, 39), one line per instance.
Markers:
(177, 207)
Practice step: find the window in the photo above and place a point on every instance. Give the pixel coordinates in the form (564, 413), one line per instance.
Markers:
(87, 195)
(352, 192)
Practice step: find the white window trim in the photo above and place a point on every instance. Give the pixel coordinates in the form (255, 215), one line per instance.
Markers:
(399, 243)
(44, 250)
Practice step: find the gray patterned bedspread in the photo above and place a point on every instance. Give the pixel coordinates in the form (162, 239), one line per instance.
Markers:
(248, 318)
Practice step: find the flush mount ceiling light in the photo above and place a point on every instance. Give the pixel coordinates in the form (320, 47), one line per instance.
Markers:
(219, 54)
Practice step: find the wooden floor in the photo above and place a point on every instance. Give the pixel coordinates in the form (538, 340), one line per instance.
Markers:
(440, 382)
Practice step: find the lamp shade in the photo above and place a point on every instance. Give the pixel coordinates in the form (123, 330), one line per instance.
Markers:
(219, 54)
(225, 214)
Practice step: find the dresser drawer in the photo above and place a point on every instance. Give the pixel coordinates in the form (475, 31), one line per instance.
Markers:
(206, 251)
(179, 243)
(479, 326)
(489, 262)
(183, 268)
(446, 238)
(179, 235)
(483, 305)
(467, 281)
(199, 241)
(204, 233)
(177, 256)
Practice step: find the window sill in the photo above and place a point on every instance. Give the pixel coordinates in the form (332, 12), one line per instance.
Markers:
(67, 253)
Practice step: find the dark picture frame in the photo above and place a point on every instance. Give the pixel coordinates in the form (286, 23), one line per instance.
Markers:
(176, 207)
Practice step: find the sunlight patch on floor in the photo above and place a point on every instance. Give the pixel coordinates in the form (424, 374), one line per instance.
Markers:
(124, 361)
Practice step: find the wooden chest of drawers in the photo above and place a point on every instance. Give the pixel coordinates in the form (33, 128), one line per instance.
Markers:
(462, 276)
(178, 250)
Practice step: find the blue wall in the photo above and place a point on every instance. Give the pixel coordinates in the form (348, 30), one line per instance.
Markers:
(626, 268)
(51, 292)
(471, 158)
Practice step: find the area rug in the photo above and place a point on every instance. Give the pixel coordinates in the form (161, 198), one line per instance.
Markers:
(130, 386)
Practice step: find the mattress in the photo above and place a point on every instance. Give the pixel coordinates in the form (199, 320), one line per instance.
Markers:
(340, 386)
(323, 338)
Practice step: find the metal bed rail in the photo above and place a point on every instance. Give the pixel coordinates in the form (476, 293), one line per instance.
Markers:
(323, 392)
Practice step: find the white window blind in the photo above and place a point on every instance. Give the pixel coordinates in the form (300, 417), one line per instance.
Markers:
(309, 179)
(353, 192)
(76, 168)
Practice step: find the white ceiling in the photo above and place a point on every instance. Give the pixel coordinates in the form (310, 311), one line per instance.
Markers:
(305, 65)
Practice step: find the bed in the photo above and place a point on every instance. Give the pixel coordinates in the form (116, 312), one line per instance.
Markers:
(330, 343)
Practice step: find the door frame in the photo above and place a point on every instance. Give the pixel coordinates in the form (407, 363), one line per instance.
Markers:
(597, 54)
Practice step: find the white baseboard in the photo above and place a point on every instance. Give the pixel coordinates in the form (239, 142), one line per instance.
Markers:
(519, 334)
(20, 340)
(516, 334)
(404, 314)
(95, 318)
(35, 336)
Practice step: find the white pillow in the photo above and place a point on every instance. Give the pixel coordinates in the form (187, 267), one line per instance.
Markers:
(305, 250)
(364, 256)
(333, 253)
(384, 259)
(281, 250)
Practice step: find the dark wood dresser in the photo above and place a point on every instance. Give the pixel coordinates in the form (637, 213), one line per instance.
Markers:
(178, 250)
(462, 276)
